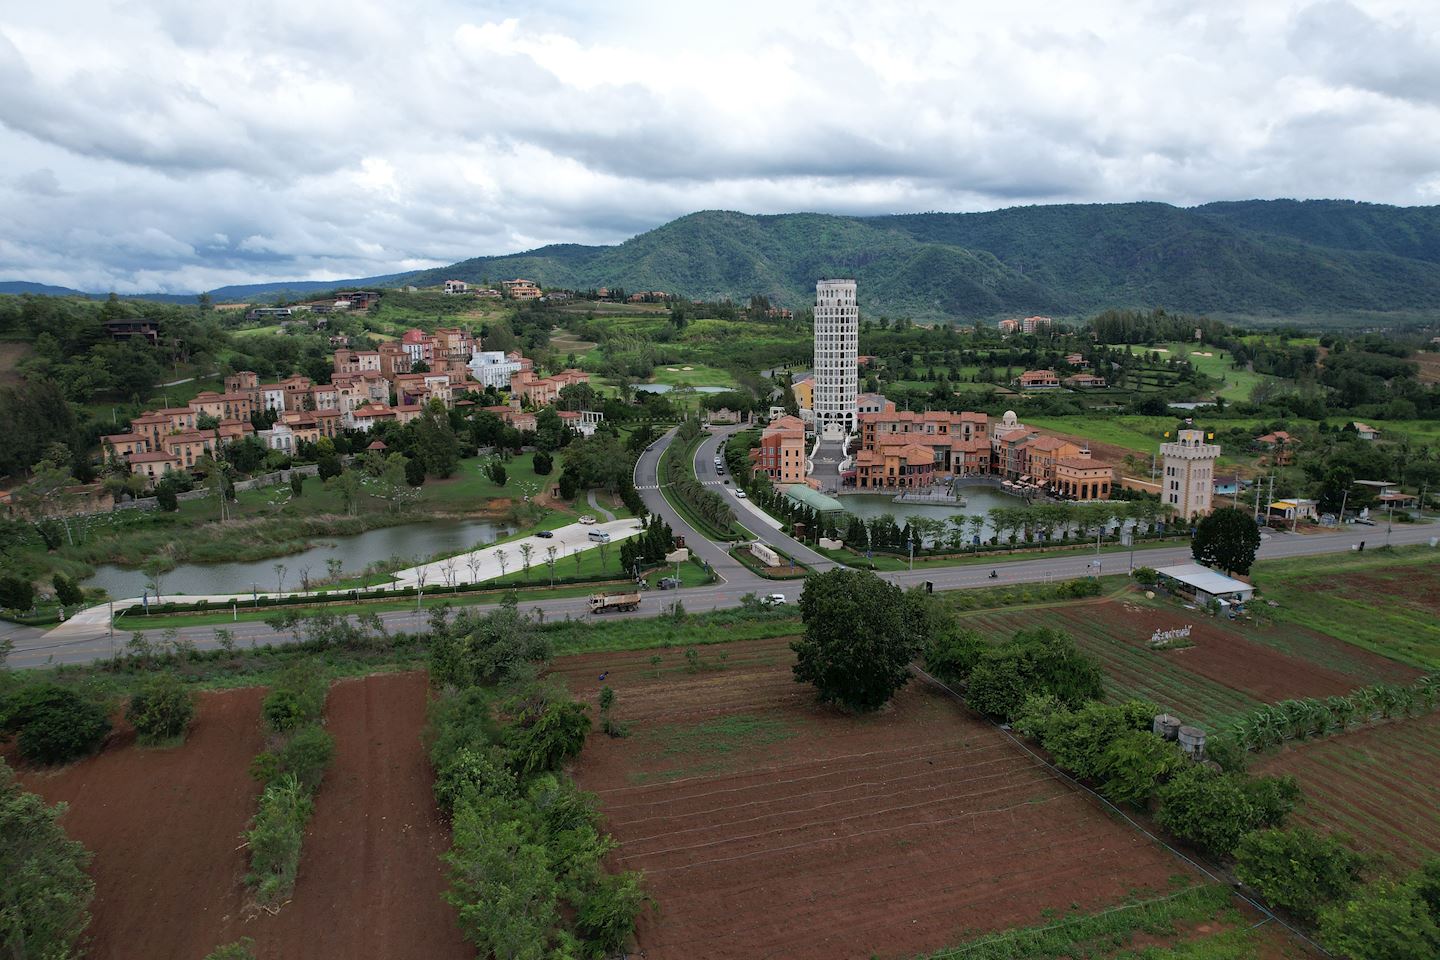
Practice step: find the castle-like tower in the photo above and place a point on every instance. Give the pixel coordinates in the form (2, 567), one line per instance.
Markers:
(1188, 479)
(837, 344)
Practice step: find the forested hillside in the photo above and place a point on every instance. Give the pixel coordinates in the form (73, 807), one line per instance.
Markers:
(1319, 260)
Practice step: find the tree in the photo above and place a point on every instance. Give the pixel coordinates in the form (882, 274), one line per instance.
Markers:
(55, 724)
(542, 463)
(161, 710)
(414, 472)
(435, 443)
(860, 636)
(1035, 662)
(297, 483)
(45, 892)
(495, 470)
(165, 497)
(1227, 538)
(67, 591)
(1387, 921)
(16, 593)
(1297, 869)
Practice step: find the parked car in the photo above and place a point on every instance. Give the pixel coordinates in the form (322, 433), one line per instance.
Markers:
(669, 583)
(599, 536)
(587, 519)
(775, 599)
(739, 494)
(544, 534)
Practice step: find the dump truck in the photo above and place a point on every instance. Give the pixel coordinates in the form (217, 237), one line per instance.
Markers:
(601, 602)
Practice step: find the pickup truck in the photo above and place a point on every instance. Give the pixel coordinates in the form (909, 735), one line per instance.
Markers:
(601, 602)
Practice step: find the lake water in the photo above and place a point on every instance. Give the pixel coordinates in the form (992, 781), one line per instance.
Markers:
(356, 552)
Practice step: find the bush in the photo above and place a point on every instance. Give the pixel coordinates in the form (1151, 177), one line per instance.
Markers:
(1035, 663)
(1387, 921)
(44, 888)
(304, 756)
(67, 591)
(1214, 810)
(165, 498)
(162, 709)
(1297, 869)
(16, 593)
(275, 836)
(469, 772)
(298, 697)
(542, 463)
(55, 724)
(951, 655)
(242, 949)
(606, 915)
(544, 734)
(1148, 576)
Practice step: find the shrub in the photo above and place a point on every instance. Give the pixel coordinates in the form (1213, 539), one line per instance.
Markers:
(1214, 810)
(275, 836)
(544, 734)
(162, 709)
(1387, 921)
(951, 655)
(1297, 869)
(55, 724)
(304, 756)
(44, 888)
(606, 915)
(298, 697)
(165, 497)
(542, 463)
(242, 949)
(470, 772)
(1147, 576)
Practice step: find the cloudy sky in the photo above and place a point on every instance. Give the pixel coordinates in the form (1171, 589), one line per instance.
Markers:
(179, 145)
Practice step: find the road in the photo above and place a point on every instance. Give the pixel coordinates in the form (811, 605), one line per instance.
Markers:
(752, 518)
(33, 650)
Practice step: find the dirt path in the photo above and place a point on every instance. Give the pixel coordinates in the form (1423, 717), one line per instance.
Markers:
(165, 827)
(370, 878)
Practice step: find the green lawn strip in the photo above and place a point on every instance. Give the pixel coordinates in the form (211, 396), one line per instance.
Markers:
(749, 560)
(1099, 934)
(886, 562)
(720, 626)
(720, 736)
(704, 527)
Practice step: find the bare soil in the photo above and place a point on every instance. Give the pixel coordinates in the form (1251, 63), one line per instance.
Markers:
(166, 830)
(767, 825)
(11, 353)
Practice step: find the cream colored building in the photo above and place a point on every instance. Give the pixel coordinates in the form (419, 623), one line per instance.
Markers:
(837, 344)
(1187, 479)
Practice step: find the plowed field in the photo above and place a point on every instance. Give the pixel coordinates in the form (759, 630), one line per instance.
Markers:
(769, 826)
(1228, 669)
(1379, 786)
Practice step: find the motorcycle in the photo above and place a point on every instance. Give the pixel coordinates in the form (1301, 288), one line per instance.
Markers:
(994, 575)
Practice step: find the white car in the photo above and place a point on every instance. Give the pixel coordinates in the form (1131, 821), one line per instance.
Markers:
(739, 494)
(587, 519)
(775, 599)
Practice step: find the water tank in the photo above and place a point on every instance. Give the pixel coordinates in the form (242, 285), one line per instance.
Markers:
(1192, 741)
(1165, 726)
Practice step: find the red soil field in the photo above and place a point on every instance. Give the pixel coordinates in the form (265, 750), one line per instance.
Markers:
(1379, 786)
(370, 878)
(834, 836)
(165, 828)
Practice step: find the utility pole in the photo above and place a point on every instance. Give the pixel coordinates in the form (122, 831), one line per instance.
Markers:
(1257, 502)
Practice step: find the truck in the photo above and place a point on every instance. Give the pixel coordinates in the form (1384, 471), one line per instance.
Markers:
(601, 602)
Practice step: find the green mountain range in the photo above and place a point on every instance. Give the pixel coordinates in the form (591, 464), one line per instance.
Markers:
(1279, 259)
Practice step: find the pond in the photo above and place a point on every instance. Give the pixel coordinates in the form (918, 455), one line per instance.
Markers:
(355, 552)
(666, 388)
(978, 501)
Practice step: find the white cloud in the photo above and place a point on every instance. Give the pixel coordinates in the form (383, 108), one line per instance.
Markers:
(172, 145)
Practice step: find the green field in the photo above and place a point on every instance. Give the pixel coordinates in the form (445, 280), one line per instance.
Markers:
(1385, 601)
(698, 375)
(1217, 366)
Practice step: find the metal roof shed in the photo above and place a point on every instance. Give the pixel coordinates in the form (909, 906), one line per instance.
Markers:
(1207, 583)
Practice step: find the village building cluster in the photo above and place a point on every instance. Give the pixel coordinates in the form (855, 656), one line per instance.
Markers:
(394, 382)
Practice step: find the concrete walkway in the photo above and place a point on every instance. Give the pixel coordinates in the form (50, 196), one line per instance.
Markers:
(594, 505)
(486, 561)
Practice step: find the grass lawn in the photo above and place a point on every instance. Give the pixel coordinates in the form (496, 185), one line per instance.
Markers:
(1382, 600)
(593, 562)
(469, 488)
(699, 375)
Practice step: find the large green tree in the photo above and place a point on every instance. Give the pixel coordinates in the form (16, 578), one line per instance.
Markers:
(1297, 869)
(1227, 539)
(1387, 921)
(860, 635)
(44, 890)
